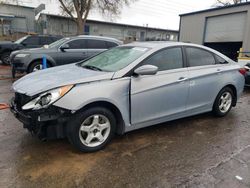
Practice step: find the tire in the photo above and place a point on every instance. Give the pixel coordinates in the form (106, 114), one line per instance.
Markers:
(5, 58)
(13, 72)
(35, 66)
(219, 109)
(91, 130)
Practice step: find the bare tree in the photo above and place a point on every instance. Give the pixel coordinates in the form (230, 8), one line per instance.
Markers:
(229, 2)
(79, 10)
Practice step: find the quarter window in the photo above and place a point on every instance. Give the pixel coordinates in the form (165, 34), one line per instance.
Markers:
(199, 57)
(166, 59)
(111, 44)
(96, 44)
(220, 60)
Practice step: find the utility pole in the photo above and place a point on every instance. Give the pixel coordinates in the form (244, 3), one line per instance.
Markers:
(146, 31)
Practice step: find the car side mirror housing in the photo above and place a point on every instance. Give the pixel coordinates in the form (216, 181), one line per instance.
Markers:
(146, 70)
(24, 43)
(64, 47)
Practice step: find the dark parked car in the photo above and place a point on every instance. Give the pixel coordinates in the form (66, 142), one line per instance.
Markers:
(29, 41)
(64, 51)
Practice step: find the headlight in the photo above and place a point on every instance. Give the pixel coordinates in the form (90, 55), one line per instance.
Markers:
(47, 98)
(22, 55)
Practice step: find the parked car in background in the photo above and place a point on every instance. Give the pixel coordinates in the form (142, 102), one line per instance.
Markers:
(126, 88)
(247, 77)
(64, 51)
(29, 41)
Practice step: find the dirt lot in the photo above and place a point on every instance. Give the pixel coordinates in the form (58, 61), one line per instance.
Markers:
(200, 151)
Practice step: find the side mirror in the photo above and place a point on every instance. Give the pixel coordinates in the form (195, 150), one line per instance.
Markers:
(64, 47)
(146, 70)
(24, 43)
(46, 46)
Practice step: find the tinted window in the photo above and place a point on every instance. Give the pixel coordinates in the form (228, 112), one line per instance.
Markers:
(199, 57)
(77, 44)
(43, 40)
(220, 60)
(48, 40)
(96, 44)
(111, 44)
(166, 59)
(33, 40)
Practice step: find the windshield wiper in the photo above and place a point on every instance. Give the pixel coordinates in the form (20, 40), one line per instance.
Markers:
(91, 67)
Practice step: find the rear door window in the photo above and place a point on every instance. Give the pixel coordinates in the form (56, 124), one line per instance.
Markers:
(96, 44)
(199, 57)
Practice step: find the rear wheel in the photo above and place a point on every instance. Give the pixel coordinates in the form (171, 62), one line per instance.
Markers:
(5, 58)
(223, 102)
(92, 129)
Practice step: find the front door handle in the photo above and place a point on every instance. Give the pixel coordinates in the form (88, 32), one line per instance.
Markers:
(181, 79)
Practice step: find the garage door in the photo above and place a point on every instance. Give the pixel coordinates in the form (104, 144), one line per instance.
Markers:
(226, 28)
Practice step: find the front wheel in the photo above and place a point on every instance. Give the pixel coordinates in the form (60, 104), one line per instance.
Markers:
(92, 129)
(36, 66)
(223, 102)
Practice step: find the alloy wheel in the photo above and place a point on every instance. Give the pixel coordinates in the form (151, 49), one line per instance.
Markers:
(94, 130)
(38, 67)
(225, 102)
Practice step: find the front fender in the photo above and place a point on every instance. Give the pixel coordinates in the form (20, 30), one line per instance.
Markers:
(40, 57)
(115, 92)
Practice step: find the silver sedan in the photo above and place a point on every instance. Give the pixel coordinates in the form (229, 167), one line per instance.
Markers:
(126, 88)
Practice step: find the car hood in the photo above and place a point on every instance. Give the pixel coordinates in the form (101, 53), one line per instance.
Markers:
(34, 50)
(51, 78)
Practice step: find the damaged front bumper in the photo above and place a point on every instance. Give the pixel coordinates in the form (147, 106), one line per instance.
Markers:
(49, 123)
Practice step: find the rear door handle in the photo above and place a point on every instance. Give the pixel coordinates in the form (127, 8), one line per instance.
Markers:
(181, 79)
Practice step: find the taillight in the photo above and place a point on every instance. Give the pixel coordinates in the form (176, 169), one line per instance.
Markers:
(243, 71)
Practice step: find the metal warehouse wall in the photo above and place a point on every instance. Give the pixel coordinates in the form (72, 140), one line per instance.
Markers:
(57, 25)
(192, 27)
(24, 20)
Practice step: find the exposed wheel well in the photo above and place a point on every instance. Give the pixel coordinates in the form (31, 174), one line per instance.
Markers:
(233, 88)
(113, 109)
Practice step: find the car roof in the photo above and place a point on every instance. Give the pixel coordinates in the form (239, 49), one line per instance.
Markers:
(98, 37)
(163, 44)
(157, 45)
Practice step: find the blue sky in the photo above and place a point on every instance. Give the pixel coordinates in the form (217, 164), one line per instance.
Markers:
(155, 13)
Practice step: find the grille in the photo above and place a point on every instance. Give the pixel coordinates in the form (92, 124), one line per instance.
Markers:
(21, 99)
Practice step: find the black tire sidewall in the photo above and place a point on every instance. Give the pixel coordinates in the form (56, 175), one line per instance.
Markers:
(216, 109)
(75, 122)
(35, 63)
(2, 58)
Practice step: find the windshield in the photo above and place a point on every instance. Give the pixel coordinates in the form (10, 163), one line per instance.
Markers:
(58, 42)
(115, 59)
(20, 40)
